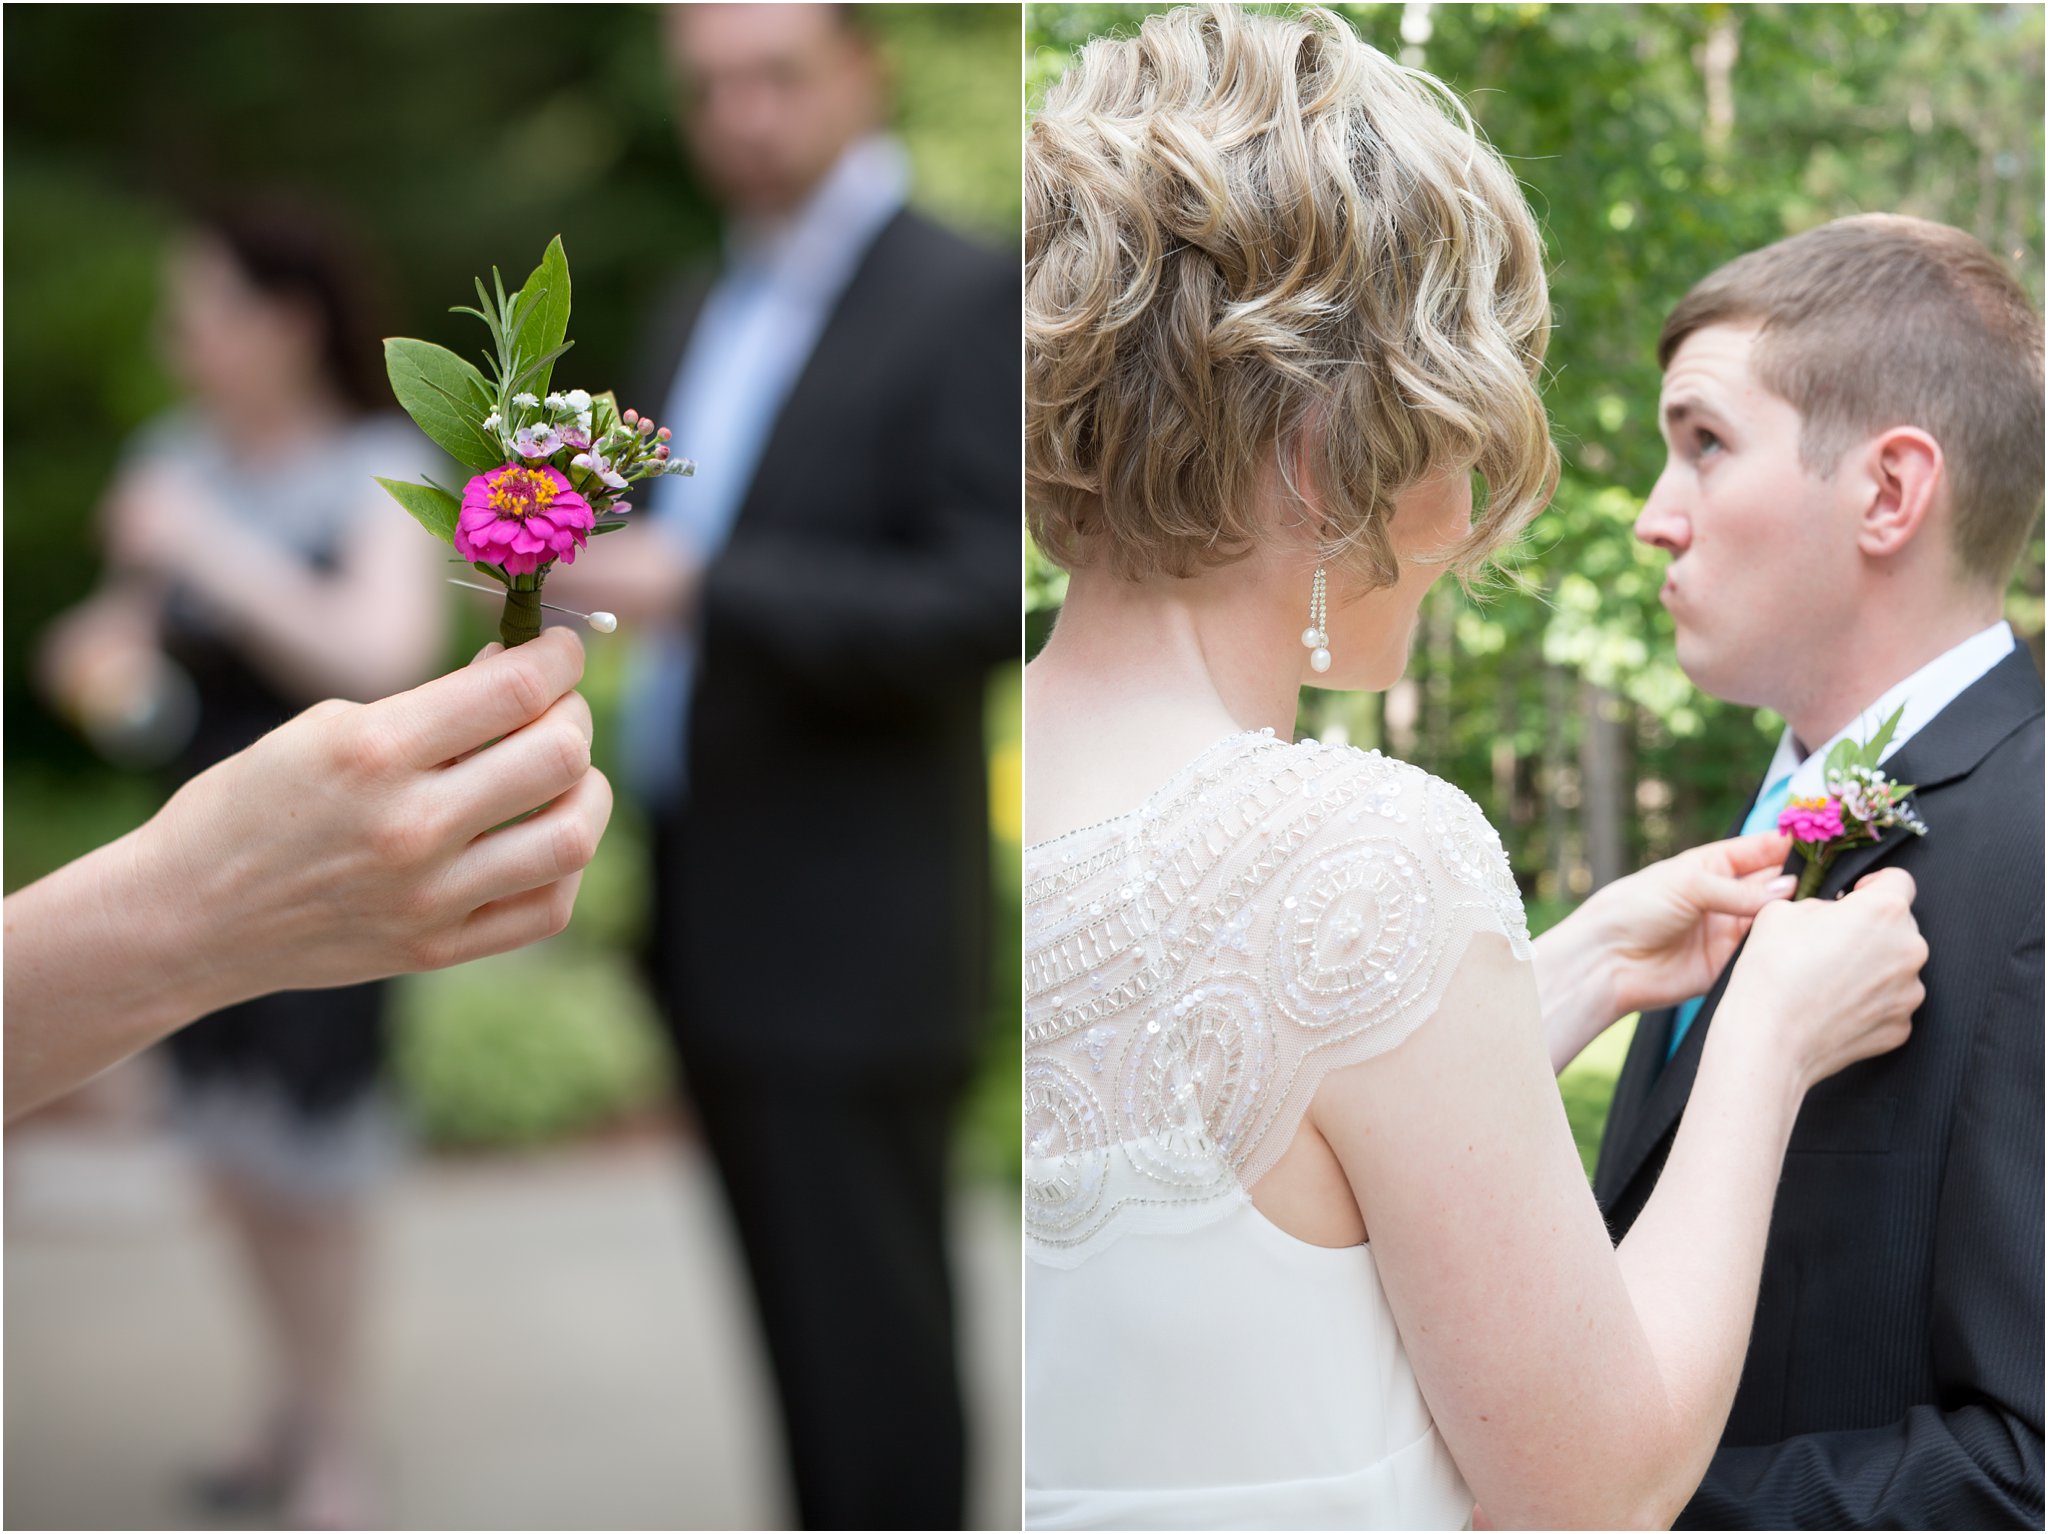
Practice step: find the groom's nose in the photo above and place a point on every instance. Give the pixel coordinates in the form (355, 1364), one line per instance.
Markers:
(1663, 523)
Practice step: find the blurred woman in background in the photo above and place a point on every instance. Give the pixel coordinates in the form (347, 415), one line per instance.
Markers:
(254, 567)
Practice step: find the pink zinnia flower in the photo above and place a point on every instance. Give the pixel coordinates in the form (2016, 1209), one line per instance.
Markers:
(1812, 820)
(520, 519)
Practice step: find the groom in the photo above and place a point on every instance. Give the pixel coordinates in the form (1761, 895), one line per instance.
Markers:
(1853, 419)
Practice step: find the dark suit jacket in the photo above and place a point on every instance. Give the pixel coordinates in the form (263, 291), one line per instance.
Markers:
(1894, 1375)
(826, 899)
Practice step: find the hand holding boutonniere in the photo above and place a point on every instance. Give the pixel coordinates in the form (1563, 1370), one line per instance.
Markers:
(549, 470)
(1861, 804)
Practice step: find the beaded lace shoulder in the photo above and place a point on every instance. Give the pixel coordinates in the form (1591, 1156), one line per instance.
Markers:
(1194, 968)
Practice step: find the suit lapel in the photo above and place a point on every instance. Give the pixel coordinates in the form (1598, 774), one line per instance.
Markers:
(839, 355)
(1944, 750)
(1637, 1097)
(1639, 1073)
(1663, 1094)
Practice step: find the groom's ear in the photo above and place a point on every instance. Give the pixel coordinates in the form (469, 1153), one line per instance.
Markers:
(1904, 470)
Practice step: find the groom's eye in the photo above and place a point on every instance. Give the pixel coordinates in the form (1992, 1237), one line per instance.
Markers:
(1704, 440)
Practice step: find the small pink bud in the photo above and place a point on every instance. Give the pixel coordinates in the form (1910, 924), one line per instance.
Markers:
(662, 435)
(646, 427)
(630, 417)
(661, 451)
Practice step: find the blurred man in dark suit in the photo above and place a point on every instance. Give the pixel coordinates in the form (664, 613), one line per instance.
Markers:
(826, 598)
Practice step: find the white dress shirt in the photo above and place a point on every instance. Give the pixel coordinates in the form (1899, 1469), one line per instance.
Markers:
(1923, 694)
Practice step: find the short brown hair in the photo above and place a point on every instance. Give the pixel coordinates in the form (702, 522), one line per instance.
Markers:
(1246, 233)
(1880, 321)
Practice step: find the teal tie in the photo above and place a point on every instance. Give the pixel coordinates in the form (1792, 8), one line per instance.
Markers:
(1763, 816)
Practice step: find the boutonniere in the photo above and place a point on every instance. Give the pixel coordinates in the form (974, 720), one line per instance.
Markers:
(1861, 804)
(549, 469)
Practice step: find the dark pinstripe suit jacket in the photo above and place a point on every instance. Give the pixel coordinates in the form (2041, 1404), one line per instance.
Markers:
(824, 897)
(1894, 1376)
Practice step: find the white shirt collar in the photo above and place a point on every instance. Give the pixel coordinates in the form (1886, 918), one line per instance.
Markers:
(866, 186)
(1923, 694)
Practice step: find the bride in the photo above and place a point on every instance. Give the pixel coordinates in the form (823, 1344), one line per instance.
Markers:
(1310, 1246)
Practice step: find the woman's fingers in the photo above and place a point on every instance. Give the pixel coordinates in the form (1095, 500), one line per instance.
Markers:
(558, 842)
(1742, 855)
(1894, 882)
(493, 648)
(492, 696)
(1745, 896)
(528, 768)
(517, 920)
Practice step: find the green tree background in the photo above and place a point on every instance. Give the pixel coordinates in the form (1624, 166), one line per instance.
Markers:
(451, 138)
(1654, 142)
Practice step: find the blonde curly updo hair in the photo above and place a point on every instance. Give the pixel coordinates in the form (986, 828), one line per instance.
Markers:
(1248, 235)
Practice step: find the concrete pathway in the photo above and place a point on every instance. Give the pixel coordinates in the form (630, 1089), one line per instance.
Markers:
(564, 1342)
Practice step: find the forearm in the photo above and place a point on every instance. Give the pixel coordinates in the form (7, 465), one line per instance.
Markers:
(96, 969)
(1575, 986)
(1693, 1259)
(878, 621)
(360, 634)
(642, 574)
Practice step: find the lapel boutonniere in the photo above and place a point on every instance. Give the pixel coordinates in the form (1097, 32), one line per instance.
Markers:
(1861, 804)
(549, 469)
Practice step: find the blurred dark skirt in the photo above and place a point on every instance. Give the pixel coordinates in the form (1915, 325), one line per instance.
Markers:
(283, 1093)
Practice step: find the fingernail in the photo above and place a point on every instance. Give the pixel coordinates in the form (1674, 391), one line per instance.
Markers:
(1785, 884)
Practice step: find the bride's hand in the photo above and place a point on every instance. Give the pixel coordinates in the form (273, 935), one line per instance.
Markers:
(1669, 930)
(1831, 982)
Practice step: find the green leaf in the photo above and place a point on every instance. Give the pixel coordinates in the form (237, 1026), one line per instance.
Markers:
(536, 365)
(435, 510)
(607, 527)
(493, 572)
(446, 397)
(544, 320)
(1883, 737)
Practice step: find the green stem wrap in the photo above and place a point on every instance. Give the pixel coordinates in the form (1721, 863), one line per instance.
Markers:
(1810, 876)
(521, 619)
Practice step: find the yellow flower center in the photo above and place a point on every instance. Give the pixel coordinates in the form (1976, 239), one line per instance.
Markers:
(519, 493)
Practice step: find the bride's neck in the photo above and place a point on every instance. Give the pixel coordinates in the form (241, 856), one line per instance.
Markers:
(1170, 657)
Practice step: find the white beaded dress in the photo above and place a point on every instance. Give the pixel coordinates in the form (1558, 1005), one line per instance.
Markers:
(1192, 970)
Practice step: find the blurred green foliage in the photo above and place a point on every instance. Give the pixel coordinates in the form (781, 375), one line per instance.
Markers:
(452, 138)
(525, 1047)
(1654, 142)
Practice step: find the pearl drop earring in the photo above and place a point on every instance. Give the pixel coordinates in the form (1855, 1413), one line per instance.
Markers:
(1316, 637)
